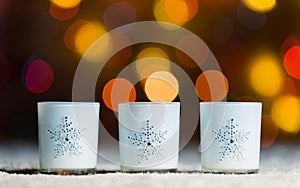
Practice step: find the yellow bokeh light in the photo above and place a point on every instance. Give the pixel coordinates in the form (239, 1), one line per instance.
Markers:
(82, 34)
(260, 5)
(177, 10)
(286, 113)
(67, 4)
(161, 14)
(266, 75)
(87, 34)
(151, 60)
(161, 86)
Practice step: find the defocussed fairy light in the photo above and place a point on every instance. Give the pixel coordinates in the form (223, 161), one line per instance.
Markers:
(175, 11)
(266, 75)
(87, 35)
(82, 34)
(269, 131)
(288, 43)
(250, 19)
(260, 5)
(126, 14)
(62, 14)
(118, 90)
(151, 60)
(286, 113)
(161, 86)
(187, 42)
(212, 85)
(37, 75)
(292, 61)
(5, 69)
(66, 4)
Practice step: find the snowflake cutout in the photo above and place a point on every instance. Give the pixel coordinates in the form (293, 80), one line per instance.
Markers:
(66, 139)
(148, 142)
(231, 140)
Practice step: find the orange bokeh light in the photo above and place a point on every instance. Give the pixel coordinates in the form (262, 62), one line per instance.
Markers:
(288, 43)
(292, 61)
(62, 14)
(70, 34)
(118, 90)
(212, 85)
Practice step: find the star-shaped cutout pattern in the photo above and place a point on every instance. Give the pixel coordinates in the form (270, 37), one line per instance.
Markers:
(148, 142)
(231, 140)
(66, 139)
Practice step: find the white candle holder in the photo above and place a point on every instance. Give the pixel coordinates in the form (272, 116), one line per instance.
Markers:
(68, 137)
(230, 136)
(149, 135)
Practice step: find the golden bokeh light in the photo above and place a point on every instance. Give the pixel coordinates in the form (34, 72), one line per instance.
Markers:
(260, 5)
(269, 131)
(286, 113)
(161, 86)
(62, 14)
(161, 14)
(67, 4)
(151, 60)
(266, 75)
(87, 34)
(212, 85)
(175, 11)
(81, 35)
(118, 90)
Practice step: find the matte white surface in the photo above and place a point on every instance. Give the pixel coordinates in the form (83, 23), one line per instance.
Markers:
(149, 135)
(62, 147)
(230, 136)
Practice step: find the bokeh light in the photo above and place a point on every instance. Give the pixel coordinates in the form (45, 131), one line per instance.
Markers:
(250, 19)
(151, 60)
(187, 42)
(212, 85)
(82, 34)
(286, 113)
(266, 75)
(87, 35)
(5, 69)
(62, 14)
(161, 86)
(66, 4)
(118, 90)
(126, 14)
(289, 42)
(260, 5)
(175, 11)
(269, 131)
(38, 75)
(292, 61)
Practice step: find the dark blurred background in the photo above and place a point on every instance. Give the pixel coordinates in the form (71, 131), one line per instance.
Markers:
(255, 42)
